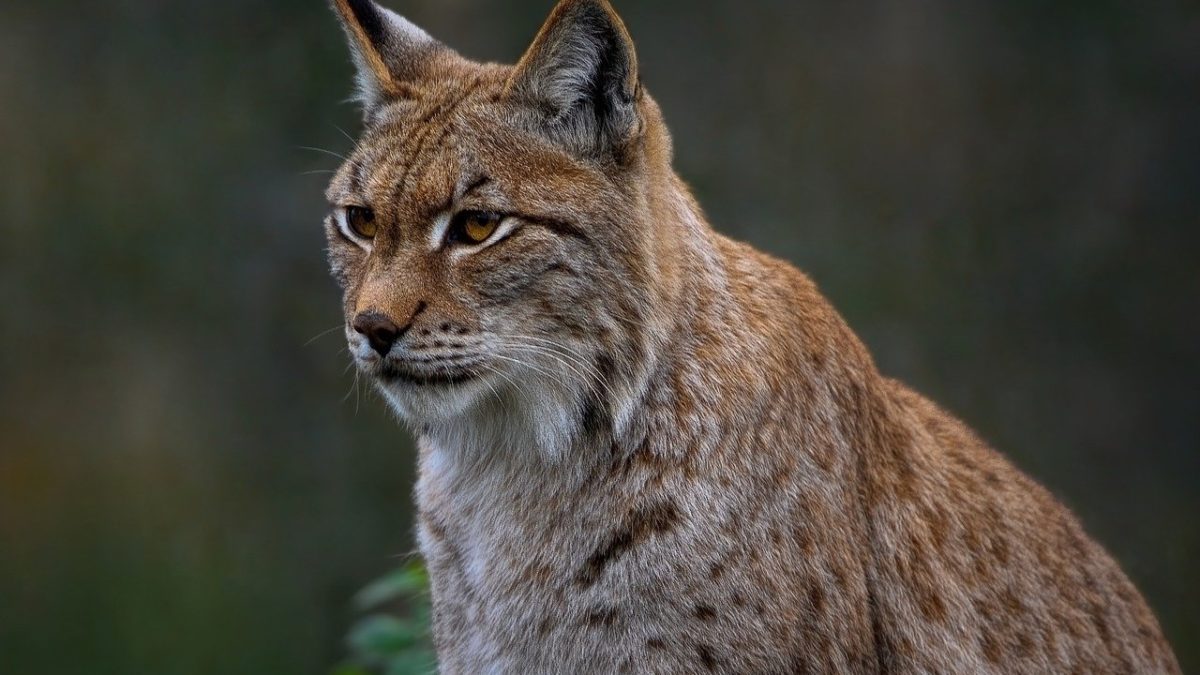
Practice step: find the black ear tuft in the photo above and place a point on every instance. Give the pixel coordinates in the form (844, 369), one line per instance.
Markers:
(388, 50)
(579, 79)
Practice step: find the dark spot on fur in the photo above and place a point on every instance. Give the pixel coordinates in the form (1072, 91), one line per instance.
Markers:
(537, 573)
(707, 657)
(601, 616)
(885, 648)
(799, 664)
(656, 643)
(433, 527)
(990, 647)
(781, 477)
(932, 605)
(816, 599)
(1000, 550)
(606, 367)
(705, 613)
(593, 416)
(939, 527)
(639, 525)
(839, 578)
(1025, 646)
(817, 359)
(1101, 625)
(715, 571)
(642, 460)
(1011, 602)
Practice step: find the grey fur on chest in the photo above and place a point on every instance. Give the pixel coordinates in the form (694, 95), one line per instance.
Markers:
(530, 576)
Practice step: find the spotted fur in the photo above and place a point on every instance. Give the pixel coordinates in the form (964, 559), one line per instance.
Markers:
(647, 448)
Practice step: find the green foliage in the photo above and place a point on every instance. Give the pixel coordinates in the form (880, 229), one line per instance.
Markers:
(393, 638)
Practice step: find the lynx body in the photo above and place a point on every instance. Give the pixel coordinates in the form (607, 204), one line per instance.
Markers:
(644, 447)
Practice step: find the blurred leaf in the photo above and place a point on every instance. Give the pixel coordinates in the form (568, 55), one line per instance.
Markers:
(381, 636)
(395, 643)
(405, 581)
(415, 662)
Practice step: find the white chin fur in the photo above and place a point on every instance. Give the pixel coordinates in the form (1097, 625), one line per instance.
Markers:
(521, 413)
(434, 404)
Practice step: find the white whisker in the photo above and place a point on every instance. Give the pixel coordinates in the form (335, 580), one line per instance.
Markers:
(323, 150)
(562, 352)
(322, 334)
(495, 394)
(596, 377)
(343, 132)
(519, 362)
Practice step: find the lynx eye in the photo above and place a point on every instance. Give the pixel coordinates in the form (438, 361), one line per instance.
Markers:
(473, 227)
(361, 221)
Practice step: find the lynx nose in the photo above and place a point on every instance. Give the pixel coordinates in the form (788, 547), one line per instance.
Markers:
(379, 330)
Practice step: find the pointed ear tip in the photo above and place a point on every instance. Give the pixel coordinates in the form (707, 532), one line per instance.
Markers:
(604, 4)
(353, 12)
(595, 13)
(349, 8)
(356, 4)
(603, 7)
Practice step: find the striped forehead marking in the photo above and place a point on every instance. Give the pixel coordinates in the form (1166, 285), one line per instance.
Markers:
(441, 118)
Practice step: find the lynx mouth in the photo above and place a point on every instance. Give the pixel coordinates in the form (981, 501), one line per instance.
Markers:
(397, 373)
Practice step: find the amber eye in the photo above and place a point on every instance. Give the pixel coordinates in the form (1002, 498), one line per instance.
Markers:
(473, 227)
(361, 221)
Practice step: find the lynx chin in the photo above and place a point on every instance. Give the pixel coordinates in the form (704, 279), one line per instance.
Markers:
(644, 447)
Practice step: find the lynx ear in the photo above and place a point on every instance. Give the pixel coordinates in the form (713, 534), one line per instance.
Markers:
(579, 79)
(388, 50)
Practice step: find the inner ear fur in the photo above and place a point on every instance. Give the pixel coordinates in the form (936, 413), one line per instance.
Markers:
(390, 52)
(579, 79)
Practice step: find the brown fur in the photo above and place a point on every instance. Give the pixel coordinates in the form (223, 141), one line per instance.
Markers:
(648, 448)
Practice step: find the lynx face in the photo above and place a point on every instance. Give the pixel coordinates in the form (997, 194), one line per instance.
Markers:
(481, 230)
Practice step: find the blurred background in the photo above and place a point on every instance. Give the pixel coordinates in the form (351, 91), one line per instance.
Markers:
(1002, 197)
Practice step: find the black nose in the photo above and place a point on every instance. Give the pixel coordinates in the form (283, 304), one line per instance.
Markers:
(381, 331)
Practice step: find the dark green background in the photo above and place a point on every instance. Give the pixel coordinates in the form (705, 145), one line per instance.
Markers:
(1000, 196)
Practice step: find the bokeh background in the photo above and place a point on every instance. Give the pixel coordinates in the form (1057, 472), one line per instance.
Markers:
(1002, 197)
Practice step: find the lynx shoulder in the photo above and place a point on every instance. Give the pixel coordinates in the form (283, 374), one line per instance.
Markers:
(647, 448)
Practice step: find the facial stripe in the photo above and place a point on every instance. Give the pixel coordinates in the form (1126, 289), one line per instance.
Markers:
(476, 184)
(560, 227)
(425, 153)
(356, 176)
(401, 186)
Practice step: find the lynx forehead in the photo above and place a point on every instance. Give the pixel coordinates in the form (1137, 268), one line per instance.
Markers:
(647, 448)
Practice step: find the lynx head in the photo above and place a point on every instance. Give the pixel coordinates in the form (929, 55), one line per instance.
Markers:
(494, 229)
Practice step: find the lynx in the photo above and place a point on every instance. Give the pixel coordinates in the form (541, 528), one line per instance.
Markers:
(644, 447)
